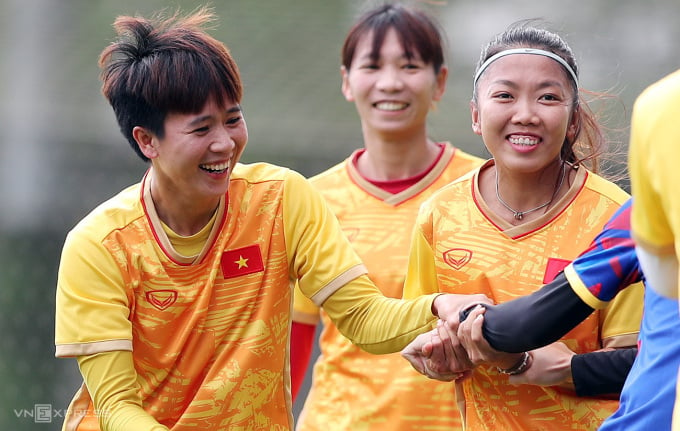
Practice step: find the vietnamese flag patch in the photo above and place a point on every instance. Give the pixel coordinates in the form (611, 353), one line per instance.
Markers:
(553, 268)
(242, 261)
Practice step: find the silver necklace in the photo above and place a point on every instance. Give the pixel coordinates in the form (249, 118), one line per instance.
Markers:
(519, 215)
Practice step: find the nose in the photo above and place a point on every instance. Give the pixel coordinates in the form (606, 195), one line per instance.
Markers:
(223, 141)
(525, 112)
(389, 79)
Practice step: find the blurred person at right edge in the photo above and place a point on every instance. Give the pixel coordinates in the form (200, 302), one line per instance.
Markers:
(653, 163)
(393, 71)
(515, 223)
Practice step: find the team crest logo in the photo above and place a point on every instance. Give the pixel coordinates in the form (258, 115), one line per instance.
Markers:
(161, 299)
(457, 258)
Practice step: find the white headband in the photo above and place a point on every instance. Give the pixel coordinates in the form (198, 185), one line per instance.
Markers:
(531, 51)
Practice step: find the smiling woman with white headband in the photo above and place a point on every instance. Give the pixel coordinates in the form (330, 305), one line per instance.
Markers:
(512, 225)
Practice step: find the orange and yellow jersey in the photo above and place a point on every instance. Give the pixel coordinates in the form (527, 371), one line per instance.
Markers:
(460, 246)
(209, 333)
(353, 389)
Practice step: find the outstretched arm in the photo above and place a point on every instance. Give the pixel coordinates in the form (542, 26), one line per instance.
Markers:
(589, 374)
(535, 320)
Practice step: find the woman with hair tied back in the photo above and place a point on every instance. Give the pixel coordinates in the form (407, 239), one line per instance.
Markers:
(512, 225)
(393, 72)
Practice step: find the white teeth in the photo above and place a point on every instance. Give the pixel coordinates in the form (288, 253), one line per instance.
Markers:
(217, 167)
(390, 106)
(523, 140)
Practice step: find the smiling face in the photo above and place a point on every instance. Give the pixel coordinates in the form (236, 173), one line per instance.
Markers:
(524, 110)
(392, 93)
(195, 157)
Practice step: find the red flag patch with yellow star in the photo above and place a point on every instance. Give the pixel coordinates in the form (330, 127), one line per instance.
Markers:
(242, 261)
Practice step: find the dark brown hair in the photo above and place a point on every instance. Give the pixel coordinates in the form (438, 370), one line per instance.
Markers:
(167, 64)
(418, 33)
(589, 141)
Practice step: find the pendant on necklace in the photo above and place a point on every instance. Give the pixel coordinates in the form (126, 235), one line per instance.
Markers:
(519, 215)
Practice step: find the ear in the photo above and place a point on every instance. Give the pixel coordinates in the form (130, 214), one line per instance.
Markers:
(440, 85)
(146, 141)
(346, 90)
(574, 125)
(474, 113)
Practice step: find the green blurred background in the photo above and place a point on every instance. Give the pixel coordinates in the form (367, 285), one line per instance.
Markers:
(61, 152)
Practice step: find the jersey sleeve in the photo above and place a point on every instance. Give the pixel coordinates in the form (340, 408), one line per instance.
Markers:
(603, 372)
(112, 383)
(331, 274)
(607, 276)
(620, 321)
(375, 323)
(534, 320)
(90, 288)
(609, 265)
(321, 258)
(421, 275)
(304, 310)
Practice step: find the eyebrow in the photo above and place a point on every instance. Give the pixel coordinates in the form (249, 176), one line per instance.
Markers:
(233, 109)
(542, 84)
(198, 120)
(404, 56)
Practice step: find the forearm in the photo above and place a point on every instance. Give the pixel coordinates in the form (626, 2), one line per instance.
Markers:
(593, 374)
(535, 320)
(375, 323)
(601, 373)
(111, 380)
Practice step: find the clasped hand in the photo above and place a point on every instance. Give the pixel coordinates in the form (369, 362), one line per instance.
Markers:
(439, 354)
(451, 350)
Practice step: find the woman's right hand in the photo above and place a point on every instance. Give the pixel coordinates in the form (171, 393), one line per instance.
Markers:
(479, 351)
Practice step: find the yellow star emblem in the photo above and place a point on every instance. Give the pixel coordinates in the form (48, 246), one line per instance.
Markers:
(241, 262)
